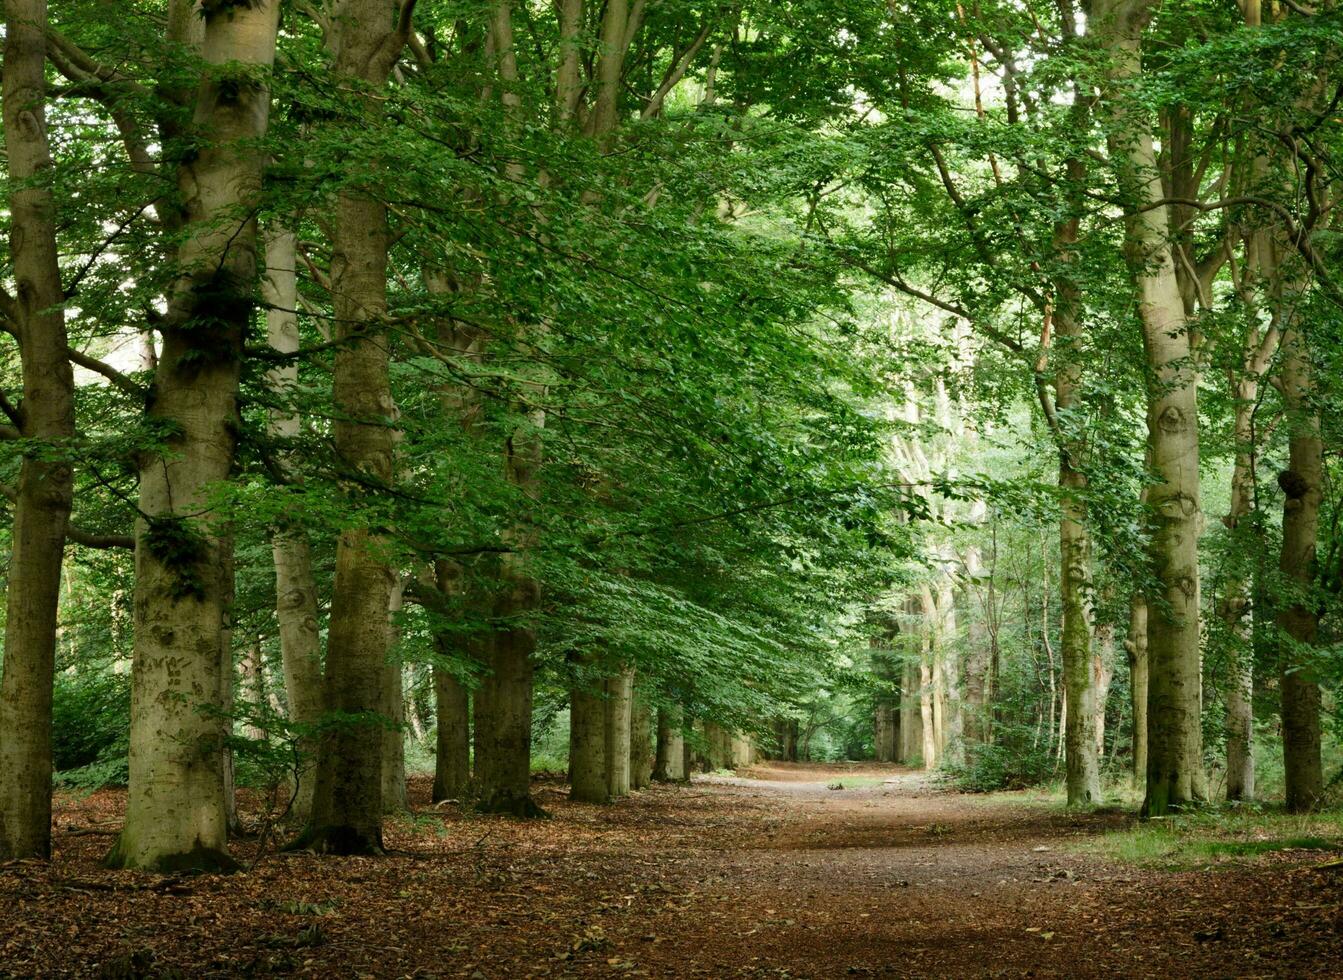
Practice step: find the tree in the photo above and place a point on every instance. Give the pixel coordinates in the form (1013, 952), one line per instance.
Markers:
(45, 420)
(347, 803)
(176, 812)
(1175, 757)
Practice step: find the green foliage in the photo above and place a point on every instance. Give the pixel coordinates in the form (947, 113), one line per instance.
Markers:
(1213, 836)
(1017, 759)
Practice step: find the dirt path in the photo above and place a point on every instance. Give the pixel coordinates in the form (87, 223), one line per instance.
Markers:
(773, 875)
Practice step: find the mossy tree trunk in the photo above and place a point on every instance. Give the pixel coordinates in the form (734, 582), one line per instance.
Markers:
(1175, 775)
(176, 814)
(45, 488)
(347, 806)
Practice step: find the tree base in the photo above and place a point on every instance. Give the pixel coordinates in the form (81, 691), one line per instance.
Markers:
(340, 840)
(586, 798)
(521, 806)
(198, 860)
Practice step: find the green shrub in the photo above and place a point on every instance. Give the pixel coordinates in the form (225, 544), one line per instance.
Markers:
(1011, 762)
(91, 717)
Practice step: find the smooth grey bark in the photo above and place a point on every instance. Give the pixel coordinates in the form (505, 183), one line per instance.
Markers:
(394, 798)
(503, 713)
(347, 805)
(589, 781)
(670, 763)
(911, 700)
(1136, 649)
(1302, 484)
(886, 706)
(1081, 758)
(452, 702)
(641, 744)
(1235, 607)
(176, 816)
(977, 717)
(452, 737)
(44, 493)
(504, 699)
(619, 705)
(296, 610)
(1175, 774)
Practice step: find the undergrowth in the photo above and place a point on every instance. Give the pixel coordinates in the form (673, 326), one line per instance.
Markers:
(1211, 836)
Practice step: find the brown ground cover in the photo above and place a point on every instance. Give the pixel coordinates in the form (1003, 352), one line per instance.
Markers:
(770, 876)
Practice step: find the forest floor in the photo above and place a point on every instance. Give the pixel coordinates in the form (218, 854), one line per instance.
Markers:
(773, 874)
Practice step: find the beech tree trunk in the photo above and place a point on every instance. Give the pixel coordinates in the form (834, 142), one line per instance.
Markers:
(296, 611)
(1136, 649)
(1102, 673)
(977, 720)
(1081, 760)
(911, 714)
(347, 804)
(670, 764)
(226, 701)
(886, 710)
(1081, 763)
(641, 744)
(253, 682)
(1234, 608)
(504, 701)
(1302, 483)
(42, 505)
(175, 815)
(394, 799)
(1175, 773)
(452, 739)
(589, 781)
(619, 705)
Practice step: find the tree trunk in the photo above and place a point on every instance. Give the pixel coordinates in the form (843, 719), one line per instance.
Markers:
(948, 677)
(42, 506)
(911, 713)
(452, 758)
(641, 744)
(296, 611)
(670, 765)
(394, 798)
(589, 781)
(619, 704)
(226, 700)
(253, 671)
(1234, 607)
(928, 750)
(928, 686)
(347, 804)
(886, 710)
(1102, 673)
(1081, 763)
(1175, 773)
(743, 752)
(1302, 483)
(504, 705)
(976, 724)
(175, 815)
(1136, 649)
(452, 699)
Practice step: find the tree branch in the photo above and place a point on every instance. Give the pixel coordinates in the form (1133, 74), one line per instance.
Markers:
(78, 535)
(117, 379)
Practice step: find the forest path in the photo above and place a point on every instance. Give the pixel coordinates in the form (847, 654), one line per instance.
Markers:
(768, 874)
(877, 871)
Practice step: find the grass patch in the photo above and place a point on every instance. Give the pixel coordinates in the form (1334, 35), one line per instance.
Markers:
(857, 782)
(1232, 835)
